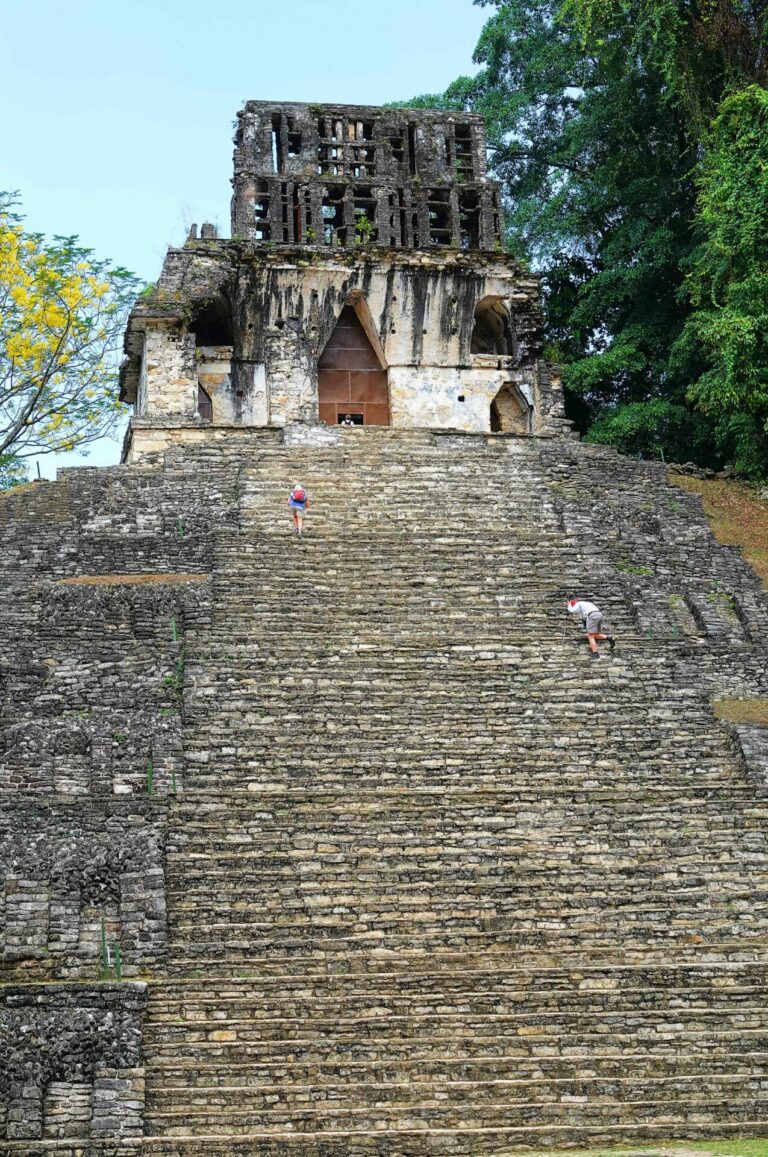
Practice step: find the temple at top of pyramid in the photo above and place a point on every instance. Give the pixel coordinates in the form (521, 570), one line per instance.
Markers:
(365, 282)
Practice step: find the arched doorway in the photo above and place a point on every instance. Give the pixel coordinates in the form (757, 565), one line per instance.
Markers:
(511, 413)
(351, 377)
(212, 323)
(492, 331)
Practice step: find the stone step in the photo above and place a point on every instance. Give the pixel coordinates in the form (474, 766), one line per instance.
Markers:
(293, 899)
(434, 1051)
(192, 1074)
(206, 1015)
(361, 884)
(353, 1096)
(336, 946)
(477, 951)
(501, 1114)
(520, 972)
(392, 1020)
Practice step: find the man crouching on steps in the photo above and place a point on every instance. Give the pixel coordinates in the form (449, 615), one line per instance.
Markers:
(592, 619)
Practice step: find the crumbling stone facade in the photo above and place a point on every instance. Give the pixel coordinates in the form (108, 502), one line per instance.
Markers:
(365, 275)
(337, 174)
(70, 1063)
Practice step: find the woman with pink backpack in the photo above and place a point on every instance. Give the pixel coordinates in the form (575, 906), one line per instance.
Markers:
(298, 504)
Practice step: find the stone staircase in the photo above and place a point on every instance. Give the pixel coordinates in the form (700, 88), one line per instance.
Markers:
(437, 883)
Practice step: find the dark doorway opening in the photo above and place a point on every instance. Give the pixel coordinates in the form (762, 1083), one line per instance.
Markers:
(212, 324)
(350, 376)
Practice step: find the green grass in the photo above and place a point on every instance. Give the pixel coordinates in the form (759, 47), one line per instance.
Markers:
(742, 710)
(735, 1147)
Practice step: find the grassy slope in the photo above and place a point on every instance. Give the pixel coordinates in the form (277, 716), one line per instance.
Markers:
(737, 516)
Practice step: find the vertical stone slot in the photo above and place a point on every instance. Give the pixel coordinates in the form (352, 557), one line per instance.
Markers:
(334, 232)
(403, 218)
(284, 209)
(277, 145)
(261, 212)
(294, 139)
(364, 206)
(297, 224)
(464, 166)
(412, 149)
(204, 405)
(469, 220)
(438, 205)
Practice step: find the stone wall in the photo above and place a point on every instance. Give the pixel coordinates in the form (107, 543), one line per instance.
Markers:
(419, 311)
(72, 874)
(311, 172)
(70, 1062)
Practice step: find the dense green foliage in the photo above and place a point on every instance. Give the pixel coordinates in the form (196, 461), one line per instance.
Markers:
(727, 283)
(625, 132)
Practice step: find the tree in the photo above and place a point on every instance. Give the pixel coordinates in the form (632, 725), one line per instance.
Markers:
(62, 315)
(599, 118)
(726, 335)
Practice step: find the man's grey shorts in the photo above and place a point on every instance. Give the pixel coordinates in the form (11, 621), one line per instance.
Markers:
(594, 619)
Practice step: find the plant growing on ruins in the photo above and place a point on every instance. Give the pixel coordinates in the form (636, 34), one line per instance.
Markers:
(111, 958)
(174, 682)
(62, 315)
(626, 567)
(363, 229)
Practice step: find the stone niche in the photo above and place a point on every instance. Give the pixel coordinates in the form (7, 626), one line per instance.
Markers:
(70, 1063)
(80, 873)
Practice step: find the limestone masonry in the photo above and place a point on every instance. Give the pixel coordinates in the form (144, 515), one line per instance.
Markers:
(344, 847)
(365, 275)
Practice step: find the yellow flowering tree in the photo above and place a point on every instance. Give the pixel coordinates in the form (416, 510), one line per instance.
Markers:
(62, 314)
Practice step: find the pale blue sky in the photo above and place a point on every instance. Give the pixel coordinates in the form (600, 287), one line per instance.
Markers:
(117, 117)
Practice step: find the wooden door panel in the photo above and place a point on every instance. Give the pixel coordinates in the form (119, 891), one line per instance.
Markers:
(333, 385)
(376, 415)
(368, 386)
(350, 376)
